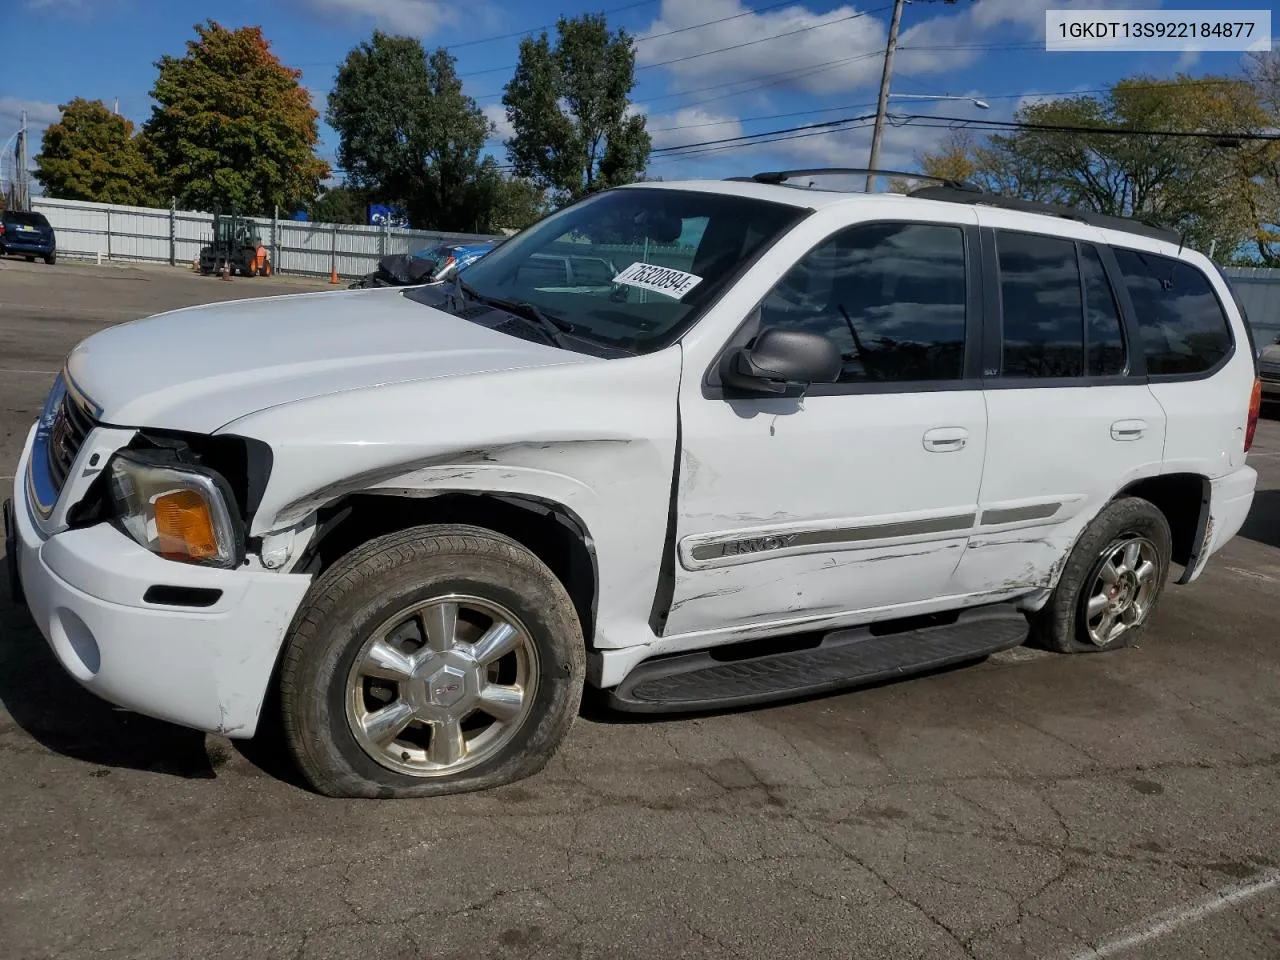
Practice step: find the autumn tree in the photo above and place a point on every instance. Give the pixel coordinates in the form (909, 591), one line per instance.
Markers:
(1170, 169)
(94, 154)
(232, 127)
(409, 136)
(569, 106)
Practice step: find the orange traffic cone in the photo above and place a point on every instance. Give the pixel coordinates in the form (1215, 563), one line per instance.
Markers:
(226, 271)
(333, 275)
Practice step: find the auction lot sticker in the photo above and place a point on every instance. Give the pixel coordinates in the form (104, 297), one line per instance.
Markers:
(1182, 30)
(665, 280)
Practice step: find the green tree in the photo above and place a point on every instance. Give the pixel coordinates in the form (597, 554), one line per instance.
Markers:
(93, 154)
(232, 127)
(409, 136)
(568, 104)
(340, 205)
(520, 203)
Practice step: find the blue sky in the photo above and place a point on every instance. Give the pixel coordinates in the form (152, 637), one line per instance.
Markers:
(827, 67)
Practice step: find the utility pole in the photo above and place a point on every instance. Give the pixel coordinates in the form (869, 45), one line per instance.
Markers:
(885, 79)
(24, 199)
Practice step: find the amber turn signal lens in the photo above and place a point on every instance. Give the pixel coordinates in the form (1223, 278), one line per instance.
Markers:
(1255, 410)
(184, 526)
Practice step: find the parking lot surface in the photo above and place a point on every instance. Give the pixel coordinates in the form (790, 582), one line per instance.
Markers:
(1124, 804)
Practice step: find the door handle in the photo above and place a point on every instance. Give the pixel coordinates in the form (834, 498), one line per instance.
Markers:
(1128, 429)
(945, 439)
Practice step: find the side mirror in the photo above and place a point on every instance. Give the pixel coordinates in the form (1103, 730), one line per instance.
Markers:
(781, 363)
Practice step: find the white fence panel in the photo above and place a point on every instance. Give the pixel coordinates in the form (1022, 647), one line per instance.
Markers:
(112, 232)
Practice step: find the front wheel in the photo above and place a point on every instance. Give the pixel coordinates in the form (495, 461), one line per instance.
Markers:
(436, 660)
(51, 257)
(1111, 581)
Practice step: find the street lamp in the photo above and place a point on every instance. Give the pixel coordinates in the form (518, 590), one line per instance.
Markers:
(980, 104)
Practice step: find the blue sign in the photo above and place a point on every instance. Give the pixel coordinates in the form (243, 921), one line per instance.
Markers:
(383, 215)
(301, 215)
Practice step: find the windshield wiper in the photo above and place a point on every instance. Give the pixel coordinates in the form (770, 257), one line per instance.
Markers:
(552, 327)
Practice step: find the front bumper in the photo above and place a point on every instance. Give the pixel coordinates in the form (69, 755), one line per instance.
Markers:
(205, 667)
(1270, 383)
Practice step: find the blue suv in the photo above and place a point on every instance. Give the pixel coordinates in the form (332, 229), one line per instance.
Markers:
(27, 234)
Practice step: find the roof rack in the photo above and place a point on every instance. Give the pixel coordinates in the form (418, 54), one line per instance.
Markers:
(781, 177)
(1123, 224)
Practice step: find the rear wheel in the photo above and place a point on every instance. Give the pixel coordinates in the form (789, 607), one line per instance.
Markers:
(51, 257)
(31, 259)
(1111, 581)
(438, 660)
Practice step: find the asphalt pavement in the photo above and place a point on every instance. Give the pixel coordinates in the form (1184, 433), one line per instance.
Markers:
(1122, 804)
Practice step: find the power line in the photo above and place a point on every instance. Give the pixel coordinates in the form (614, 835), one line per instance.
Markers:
(707, 53)
(500, 36)
(771, 116)
(1104, 131)
(825, 125)
(776, 36)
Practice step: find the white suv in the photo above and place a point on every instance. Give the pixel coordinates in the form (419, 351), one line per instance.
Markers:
(804, 439)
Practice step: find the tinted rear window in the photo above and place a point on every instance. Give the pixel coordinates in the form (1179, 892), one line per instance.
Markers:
(1183, 327)
(26, 219)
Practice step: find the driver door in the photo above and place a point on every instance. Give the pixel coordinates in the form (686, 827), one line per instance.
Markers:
(860, 495)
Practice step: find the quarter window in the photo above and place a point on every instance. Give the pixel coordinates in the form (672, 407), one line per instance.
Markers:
(1183, 328)
(891, 296)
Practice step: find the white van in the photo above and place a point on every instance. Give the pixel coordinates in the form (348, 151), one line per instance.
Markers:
(803, 439)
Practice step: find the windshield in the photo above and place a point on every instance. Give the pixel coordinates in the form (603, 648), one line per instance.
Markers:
(632, 268)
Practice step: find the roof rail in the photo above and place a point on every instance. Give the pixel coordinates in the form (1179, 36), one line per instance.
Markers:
(782, 176)
(1122, 224)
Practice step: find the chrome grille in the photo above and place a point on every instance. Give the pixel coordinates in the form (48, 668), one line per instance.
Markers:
(72, 422)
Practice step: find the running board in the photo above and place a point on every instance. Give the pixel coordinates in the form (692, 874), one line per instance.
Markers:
(715, 679)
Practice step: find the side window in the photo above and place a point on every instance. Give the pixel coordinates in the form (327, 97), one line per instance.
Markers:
(1180, 319)
(892, 296)
(1041, 306)
(1104, 335)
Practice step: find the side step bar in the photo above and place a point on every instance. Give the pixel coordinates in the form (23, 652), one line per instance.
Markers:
(714, 680)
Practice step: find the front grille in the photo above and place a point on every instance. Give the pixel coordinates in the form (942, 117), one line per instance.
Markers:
(71, 424)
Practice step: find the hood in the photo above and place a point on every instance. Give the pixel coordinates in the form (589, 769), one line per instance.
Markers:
(199, 368)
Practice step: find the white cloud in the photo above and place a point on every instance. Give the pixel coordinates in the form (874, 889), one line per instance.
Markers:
(39, 114)
(843, 40)
(414, 17)
(1188, 60)
(76, 9)
(496, 114)
(832, 51)
(931, 46)
(691, 125)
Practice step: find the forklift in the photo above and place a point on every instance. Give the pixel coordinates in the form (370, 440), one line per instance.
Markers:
(237, 248)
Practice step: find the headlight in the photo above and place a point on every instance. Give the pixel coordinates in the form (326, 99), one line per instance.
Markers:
(180, 512)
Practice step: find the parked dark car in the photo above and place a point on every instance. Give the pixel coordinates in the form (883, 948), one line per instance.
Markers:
(27, 235)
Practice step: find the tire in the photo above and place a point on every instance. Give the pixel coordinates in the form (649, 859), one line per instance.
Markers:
(51, 258)
(1128, 524)
(326, 707)
(31, 259)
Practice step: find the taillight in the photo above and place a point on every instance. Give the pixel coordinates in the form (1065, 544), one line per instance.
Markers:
(1255, 409)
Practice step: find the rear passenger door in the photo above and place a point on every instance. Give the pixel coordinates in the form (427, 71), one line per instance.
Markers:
(1070, 417)
(1201, 377)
